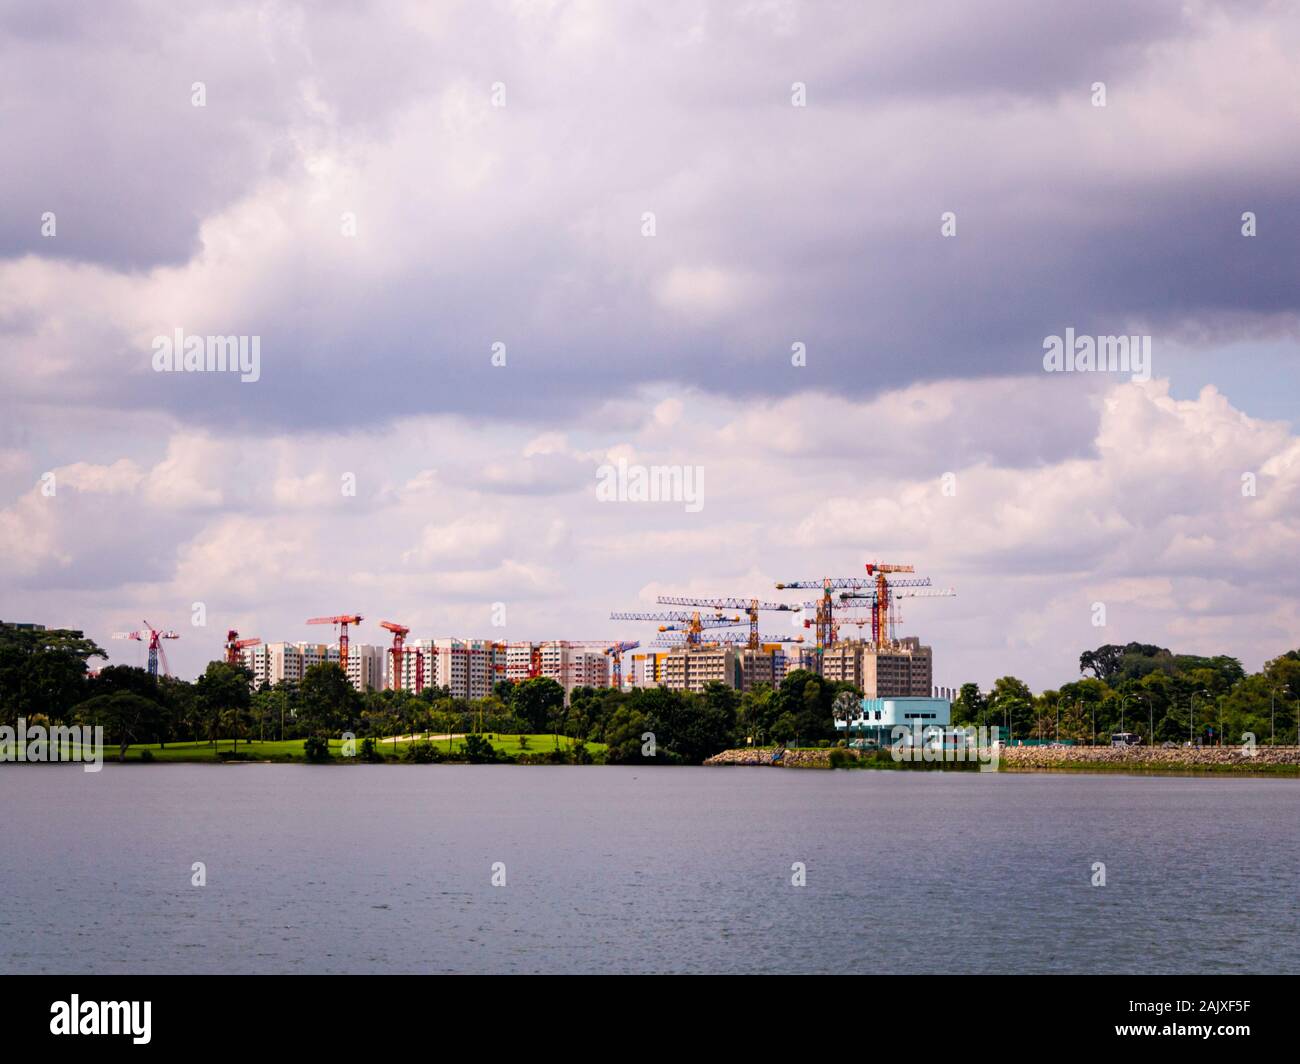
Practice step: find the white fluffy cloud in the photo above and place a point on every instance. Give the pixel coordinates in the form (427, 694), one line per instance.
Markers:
(1143, 511)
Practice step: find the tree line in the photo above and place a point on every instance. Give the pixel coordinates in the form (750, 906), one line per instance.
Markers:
(1151, 692)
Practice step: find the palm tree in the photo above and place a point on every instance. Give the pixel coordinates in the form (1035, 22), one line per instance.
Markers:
(234, 721)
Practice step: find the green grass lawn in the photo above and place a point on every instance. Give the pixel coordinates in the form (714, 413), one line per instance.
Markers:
(291, 749)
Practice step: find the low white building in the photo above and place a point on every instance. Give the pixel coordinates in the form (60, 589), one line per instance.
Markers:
(876, 718)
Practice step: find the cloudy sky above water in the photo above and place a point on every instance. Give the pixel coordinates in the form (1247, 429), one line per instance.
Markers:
(523, 225)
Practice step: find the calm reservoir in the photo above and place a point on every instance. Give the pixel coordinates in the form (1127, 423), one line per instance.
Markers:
(388, 869)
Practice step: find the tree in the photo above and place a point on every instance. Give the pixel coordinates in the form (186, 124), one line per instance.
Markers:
(178, 700)
(234, 721)
(970, 706)
(1011, 703)
(477, 750)
(688, 727)
(784, 728)
(124, 716)
(330, 704)
(809, 700)
(1131, 660)
(221, 689)
(42, 671)
(537, 701)
(593, 706)
(623, 733)
(755, 711)
(266, 705)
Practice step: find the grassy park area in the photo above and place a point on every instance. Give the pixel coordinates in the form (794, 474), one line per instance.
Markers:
(292, 749)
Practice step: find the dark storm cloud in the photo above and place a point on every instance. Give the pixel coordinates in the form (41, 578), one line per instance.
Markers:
(775, 224)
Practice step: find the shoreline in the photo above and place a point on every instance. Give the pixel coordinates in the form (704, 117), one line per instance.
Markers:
(1266, 762)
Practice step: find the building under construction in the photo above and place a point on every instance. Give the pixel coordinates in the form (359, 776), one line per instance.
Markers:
(884, 666)
(899, 669)
(689, 668)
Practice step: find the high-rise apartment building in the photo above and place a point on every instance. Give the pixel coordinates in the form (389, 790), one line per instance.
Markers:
(901, 669)
(519, 661)
(273, 662)
(574, 666)
(467, 668)
(689, 668)
(646, 670)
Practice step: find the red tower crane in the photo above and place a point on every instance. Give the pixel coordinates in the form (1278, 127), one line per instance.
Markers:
(399, 654)
(153, 636)
(880, 612)
(400, 632)
(234, 645)
(419, 667)
(885, 632)
(342, 620)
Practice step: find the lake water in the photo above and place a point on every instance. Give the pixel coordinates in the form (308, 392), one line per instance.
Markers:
(388, 869)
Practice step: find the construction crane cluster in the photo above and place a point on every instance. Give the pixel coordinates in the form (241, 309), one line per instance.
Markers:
(751, 607)
(877, 592)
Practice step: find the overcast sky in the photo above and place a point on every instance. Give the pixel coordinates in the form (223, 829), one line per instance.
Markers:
(383, 192)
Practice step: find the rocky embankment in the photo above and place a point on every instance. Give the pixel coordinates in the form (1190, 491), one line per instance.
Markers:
(767, 756)
(1265, 759)
(1156, 758)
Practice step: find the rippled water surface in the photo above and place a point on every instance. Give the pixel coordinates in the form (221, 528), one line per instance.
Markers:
(388, 869)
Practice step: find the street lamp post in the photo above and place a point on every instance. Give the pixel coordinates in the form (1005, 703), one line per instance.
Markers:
(1192, 716)
(1272, 713)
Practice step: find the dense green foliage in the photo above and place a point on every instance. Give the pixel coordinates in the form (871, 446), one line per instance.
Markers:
(1161, 696)
(42, 673)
